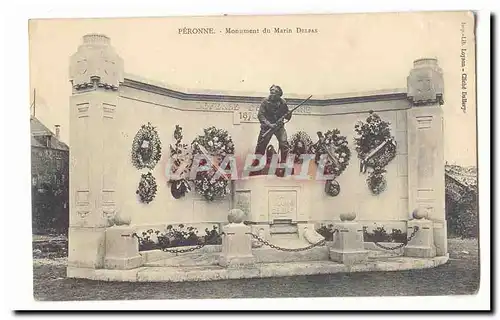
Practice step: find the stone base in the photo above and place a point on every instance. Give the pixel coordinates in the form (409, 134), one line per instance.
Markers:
(259, 270)
(236, 261)
(440, 237)
(270, 255)
(420, 252)
(123, 263)
(87, 247)
(348, 258)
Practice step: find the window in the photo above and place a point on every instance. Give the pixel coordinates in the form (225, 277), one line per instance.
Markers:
(58, 163)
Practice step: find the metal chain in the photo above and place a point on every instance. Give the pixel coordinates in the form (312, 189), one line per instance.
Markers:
(321, 242)
(415, 229)
(183, 250)
(176, 251)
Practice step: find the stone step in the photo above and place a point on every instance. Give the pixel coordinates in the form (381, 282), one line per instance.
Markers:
(187, 260)
(283, 229)
(270, 255)
(376, 254)
(284, 236)
(262, 255)
(259, 270)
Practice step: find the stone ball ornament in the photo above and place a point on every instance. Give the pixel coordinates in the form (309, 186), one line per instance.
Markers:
(236, 216)
(122, 219)
(420, 213)
(118, 218)
(350, 216)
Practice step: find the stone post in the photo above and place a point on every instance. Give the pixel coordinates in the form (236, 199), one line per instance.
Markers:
(422, 243)
(236, 242)
(426, 183)
(348, 243)
(96, 72)
(122, 249)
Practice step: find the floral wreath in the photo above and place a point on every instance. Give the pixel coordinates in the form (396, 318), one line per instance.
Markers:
(376, 148)
(305, 140)
(332, 188)
(147, 188)
(146, 147)
(218, 144)
(376, 180)
(332, 142)
(181, 155)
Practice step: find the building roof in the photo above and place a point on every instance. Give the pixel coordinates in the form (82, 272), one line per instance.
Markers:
(38, 129)
(466, 176)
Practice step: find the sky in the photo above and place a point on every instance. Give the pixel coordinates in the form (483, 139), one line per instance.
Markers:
(349, 53)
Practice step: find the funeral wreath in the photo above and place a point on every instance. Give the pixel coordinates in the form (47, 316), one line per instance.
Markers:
(376, 149)
(300, 143)
(333, 147)
(181, 159)
(213, 146)
(147, 188)
(146, 147)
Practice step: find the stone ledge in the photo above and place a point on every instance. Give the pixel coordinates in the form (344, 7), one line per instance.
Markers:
(123, 263)
(259, 270)
(155, 255)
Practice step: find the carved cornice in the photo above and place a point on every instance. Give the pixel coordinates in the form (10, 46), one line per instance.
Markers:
(396, 94)
(425, 83)
(89, 86)
(95, 65)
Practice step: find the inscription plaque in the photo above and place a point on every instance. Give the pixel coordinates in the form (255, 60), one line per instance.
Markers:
(282, 205)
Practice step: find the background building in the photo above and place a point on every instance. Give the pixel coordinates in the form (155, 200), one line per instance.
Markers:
(50, 179)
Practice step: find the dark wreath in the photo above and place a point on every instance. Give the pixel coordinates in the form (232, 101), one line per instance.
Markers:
(147, 188)
(146, 147)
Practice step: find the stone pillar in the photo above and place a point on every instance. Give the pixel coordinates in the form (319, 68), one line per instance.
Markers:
(236, 242)
(422, 243)
(96, 72)
(122, 249)
(348, 244)
(426, 183)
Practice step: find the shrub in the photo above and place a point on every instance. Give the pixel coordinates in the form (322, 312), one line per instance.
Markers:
(398, 236)
(50, 211)
(326, 232)
(462, 219)
(212, 236)
(173, 237)
(380, 235)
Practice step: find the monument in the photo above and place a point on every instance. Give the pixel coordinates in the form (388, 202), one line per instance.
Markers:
(378, 158)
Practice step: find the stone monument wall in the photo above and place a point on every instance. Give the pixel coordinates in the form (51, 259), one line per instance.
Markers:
(138, 106)
(108, 108)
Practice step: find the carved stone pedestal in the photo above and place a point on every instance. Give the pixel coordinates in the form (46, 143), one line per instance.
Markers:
(278, 209)
(348, 245)
(122, 249)
(236, 242)
(422, 244)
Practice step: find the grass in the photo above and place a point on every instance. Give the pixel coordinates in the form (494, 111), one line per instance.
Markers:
(459, 276)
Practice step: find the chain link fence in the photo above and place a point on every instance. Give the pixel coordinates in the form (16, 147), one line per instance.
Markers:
(401, 245)
(267, 243)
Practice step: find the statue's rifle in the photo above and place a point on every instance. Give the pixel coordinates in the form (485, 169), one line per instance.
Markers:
(281, 122)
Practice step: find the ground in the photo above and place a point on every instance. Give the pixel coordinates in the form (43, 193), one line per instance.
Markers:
(459, 276)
